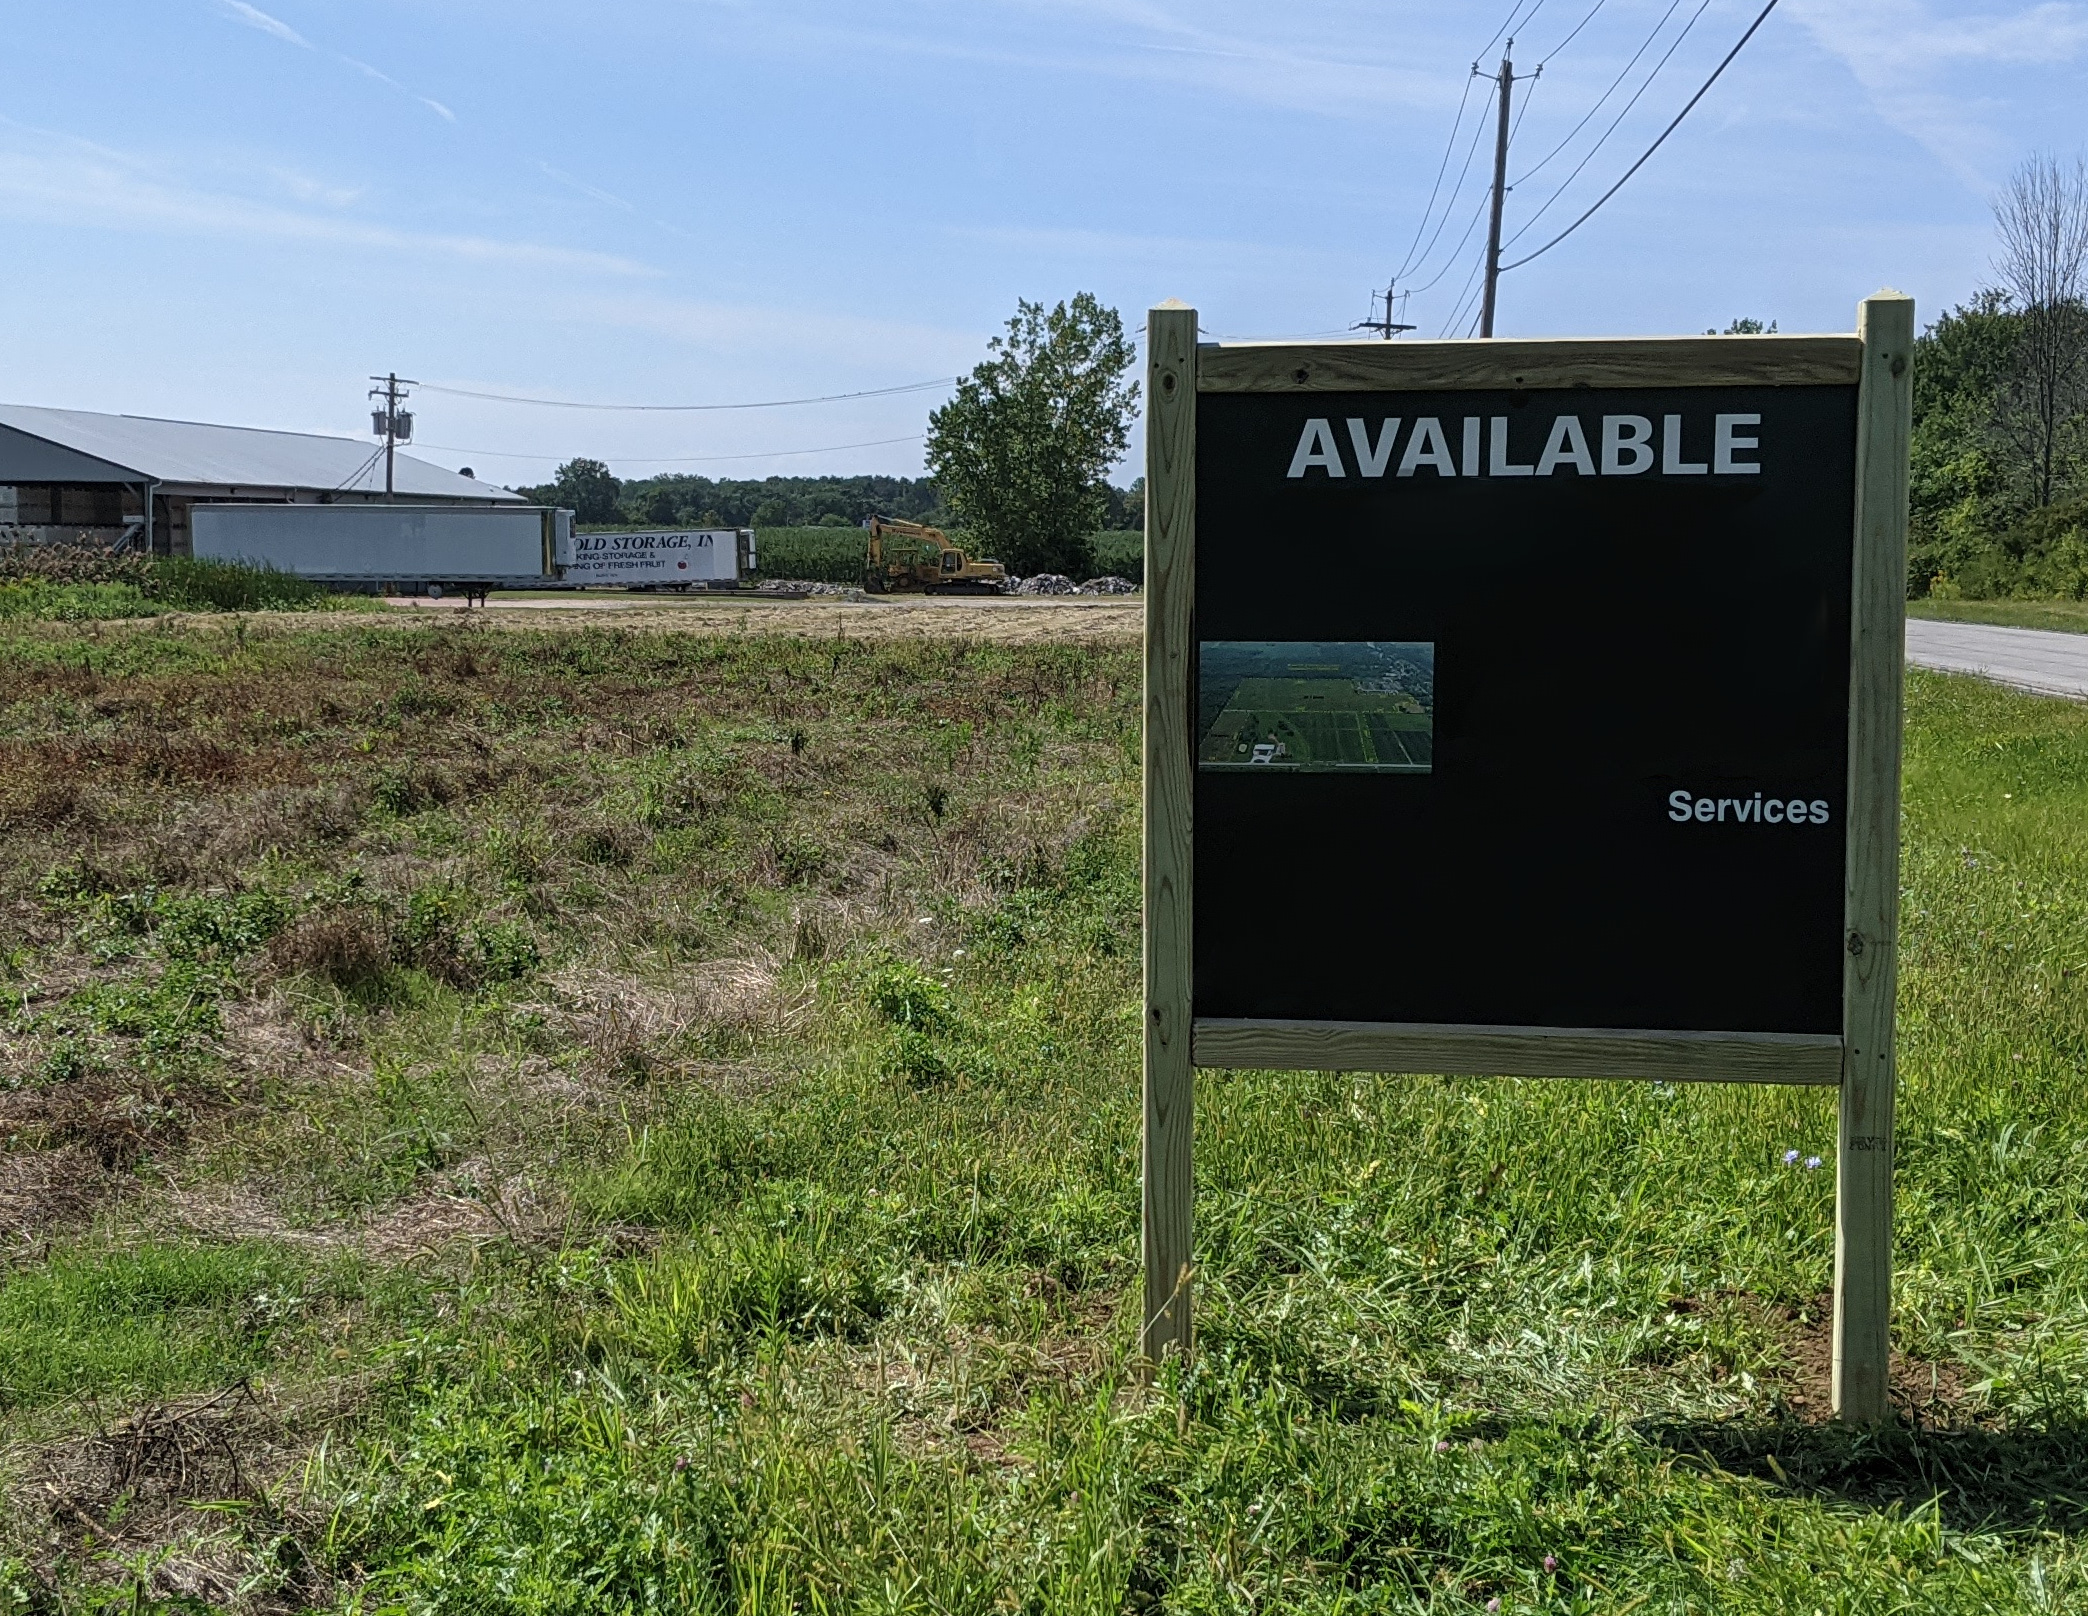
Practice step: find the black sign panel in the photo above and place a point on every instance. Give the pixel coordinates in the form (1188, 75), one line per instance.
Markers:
(1523, 708)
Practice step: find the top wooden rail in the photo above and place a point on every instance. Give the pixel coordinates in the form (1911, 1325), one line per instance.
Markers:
(1364, 367)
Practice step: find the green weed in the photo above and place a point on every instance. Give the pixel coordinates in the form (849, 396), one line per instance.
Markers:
(2068, 616)
(814, 1285)
(148, 1320)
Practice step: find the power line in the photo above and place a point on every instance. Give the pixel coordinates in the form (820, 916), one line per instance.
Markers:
(1523, 111)
(1452, 259)
(1450, 263)
(1464, 298)
(1650, 150)
(1442, 168)
(358, 473)
(685, 460)
(1603, 98)
(1625, 112)
(1287, 336)
(1410, 261)
(1577, 27)
(1516, 19)
(763, 404)
(1456, 191)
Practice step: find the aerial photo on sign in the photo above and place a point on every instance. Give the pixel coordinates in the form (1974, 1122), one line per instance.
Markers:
(1308, 706)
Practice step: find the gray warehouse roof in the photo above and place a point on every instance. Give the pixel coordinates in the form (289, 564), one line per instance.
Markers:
(44, 445)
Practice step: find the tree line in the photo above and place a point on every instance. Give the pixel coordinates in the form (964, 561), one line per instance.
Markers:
(1999, 500)
(1019, 458)
(599, 498)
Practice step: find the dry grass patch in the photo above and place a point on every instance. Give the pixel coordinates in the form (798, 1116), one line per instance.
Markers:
(464, 1207)
(201, 1496)
(342, 947)
(634, 1030)
(43, 1192)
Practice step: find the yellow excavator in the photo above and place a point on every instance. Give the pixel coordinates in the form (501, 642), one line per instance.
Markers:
(906, 556)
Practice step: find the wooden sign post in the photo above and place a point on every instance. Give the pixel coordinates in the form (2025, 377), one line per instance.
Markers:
(1535, 710)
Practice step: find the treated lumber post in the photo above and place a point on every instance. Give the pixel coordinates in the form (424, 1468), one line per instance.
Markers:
(1170, 584)
(1863, 1180)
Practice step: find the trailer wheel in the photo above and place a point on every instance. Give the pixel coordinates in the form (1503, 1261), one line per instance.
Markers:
(434, 591)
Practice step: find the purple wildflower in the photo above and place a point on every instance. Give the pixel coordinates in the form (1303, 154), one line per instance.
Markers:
(1551, 1562)
(1812, 1164)
(1493, 1604)
(1442, 1447)
(1790, 1157)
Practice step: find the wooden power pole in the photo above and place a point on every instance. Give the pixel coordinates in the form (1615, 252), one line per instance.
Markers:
(1500, 191)
(1388, 327)
(389, 422)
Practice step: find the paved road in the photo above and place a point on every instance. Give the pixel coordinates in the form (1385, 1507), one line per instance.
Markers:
(2029, 658)
(2037, 659)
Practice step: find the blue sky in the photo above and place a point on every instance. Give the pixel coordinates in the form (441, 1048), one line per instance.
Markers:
(237, 211)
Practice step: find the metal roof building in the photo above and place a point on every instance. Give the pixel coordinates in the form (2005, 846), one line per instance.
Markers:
(130, 479)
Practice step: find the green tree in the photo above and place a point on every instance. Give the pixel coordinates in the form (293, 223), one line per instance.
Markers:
(586, 488)
(1127, 506)
(1959, 499)
(1021, 452)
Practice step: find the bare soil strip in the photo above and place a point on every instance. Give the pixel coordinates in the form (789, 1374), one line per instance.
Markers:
(1089, 620)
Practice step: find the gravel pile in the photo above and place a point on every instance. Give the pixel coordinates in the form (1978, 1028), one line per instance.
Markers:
(804, 586)
(1110, 585)
(1046, 583)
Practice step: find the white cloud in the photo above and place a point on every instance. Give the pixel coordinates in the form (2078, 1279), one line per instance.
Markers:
(611, 199)
(1914, 63)
(368, 71)
(254, 17)
(387, 80)
(306, 189)
(565, 179)
(57, 179)
(878, 347)
(1133, 247)
(1345, 60)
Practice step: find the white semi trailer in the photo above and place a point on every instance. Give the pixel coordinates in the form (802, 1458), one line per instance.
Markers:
(405, 549)
(679, 558)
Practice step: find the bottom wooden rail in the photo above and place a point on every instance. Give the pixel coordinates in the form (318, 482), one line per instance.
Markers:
(1391, 1046)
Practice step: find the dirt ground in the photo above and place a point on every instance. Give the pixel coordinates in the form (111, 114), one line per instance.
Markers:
(1079, 620)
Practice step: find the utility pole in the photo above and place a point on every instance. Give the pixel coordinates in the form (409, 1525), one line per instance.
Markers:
(1500, 190)
(1387, 327)
(389, 422)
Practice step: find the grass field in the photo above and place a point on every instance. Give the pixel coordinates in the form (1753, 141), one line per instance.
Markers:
(1322, 723)
(530, 1121)
(2069, 615)
(835, 554)
(830, 555)
(1315, 706)
(67, 584)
